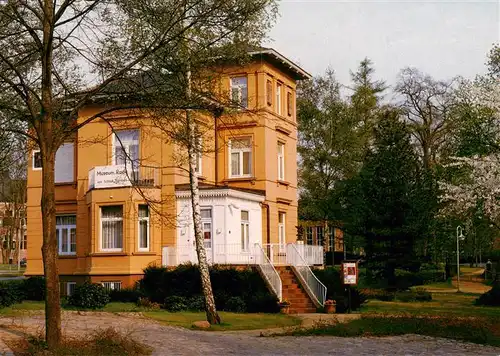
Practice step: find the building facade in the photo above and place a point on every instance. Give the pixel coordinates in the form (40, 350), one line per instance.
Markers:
(108, 228)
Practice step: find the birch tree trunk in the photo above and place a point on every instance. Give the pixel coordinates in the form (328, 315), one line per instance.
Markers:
(193, 146)
(193, 150)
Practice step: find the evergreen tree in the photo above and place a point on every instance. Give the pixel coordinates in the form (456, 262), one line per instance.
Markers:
(384, 200)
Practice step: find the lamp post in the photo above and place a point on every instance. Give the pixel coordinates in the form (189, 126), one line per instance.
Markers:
(460, 237)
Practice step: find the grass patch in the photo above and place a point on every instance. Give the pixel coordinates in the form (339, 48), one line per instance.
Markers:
(442, 304)
(481, 331)
(231, 321)
(98, 343)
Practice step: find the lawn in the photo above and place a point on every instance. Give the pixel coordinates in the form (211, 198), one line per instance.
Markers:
(481, 331)
(442, 304)
(231, 321)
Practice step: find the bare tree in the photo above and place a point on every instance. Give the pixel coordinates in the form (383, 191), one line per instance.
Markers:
(58, 56)
(427, 104)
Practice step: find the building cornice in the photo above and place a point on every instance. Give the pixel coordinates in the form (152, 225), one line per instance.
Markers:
(221, 193)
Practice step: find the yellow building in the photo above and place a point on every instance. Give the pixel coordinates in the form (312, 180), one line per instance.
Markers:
(108, 229)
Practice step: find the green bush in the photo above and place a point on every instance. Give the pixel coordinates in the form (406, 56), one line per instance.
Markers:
(34, 288)
(262, 303)
(175, 303)
(125, 295)
(236, 305)
(184, 281)
(196, 303)
(11, 292)
(89, 296)
(490, 298)
(417, 295)
(330, 277)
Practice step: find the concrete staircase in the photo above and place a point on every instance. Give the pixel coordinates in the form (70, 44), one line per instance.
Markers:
(294, 292)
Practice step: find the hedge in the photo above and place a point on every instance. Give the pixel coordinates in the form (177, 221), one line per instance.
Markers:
(161, 285)
(490, 298)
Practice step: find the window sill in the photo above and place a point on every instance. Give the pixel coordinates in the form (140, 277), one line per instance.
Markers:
(105, 254)
(240, 179)
(283, 182)
(64, 183)
(202, 178)
(67, 256)
(144, 253)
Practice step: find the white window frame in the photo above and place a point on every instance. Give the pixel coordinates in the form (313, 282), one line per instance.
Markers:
(281, 161)
(232, 86)
(240, 151)
(279, 88)
(33, 161)
(59, 229)
(68, 288)
(206, 221)
(245, 232)
(112, 285)
(148, 237)
(100, 230)
(282, 231)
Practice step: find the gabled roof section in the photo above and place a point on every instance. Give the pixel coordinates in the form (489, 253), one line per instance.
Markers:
(281, 61)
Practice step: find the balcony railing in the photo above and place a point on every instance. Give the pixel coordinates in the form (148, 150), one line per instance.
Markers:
(123, 176)
(235, 254)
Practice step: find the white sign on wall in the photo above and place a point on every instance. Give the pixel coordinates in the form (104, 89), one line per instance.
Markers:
(111, 176)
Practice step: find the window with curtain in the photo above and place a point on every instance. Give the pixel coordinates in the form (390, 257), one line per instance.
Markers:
(66, 234)
(112, 228)
(126, 151)
(245, 230)
(239, 91)
(143, 228)
(241, 157)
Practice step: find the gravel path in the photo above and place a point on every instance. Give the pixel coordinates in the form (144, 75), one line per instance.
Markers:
(167, 340)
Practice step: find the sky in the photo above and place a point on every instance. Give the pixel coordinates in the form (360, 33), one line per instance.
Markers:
(441, 38)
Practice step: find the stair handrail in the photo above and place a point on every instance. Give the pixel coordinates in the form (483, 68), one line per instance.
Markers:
(312, 283)
(268, 271)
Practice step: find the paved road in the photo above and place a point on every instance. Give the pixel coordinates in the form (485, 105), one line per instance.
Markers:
(168, 340)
